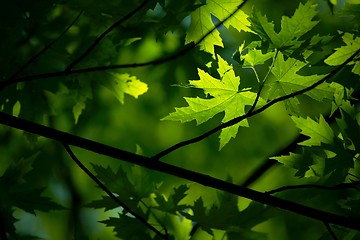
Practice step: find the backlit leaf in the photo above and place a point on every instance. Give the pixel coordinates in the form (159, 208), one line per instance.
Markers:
(292, 28)
(343, 53)
(120, 84)
(287, 81)
(255, 57)
(318, 131)
(201, 22)
(224, 97)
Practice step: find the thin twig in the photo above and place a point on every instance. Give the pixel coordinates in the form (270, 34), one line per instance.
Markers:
(183, 173)
(254, 112)
(159, 61)
(332, 233)
(47, 47)
(109, 193)
(101, 36)
(269, 162)
(305, 186)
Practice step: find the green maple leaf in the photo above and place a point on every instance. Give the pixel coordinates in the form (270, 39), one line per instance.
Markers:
(318, 131)
(292, 29)
(349, 127)
(127, 227)
(105, 202)
(339, 161)
(226, 97)
(324, 153)
(119, 84)
(201, 22)
(300, 162)
(30, 200)
(118, 182)
(200, 215)
(171, 204)
(19, 190)
(287, 81)
(226, 216)
(254, 56)
(80, 93)
(343, 53)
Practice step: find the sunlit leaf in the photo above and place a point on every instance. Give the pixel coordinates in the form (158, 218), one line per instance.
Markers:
(292, 28)
(225, 97)
(255, 57)
(120, 84)
(201, 22)
(289, 38)
(343, 53)
(287, 81)
(318, 131)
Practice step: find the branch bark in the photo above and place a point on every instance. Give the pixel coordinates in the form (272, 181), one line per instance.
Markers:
(202, 179)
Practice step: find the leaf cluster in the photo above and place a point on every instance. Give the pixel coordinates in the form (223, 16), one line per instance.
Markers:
(71, 79)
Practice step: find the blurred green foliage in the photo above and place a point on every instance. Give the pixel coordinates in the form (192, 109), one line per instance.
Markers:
(45, 195)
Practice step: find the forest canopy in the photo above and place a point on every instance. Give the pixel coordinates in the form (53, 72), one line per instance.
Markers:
(207, 119)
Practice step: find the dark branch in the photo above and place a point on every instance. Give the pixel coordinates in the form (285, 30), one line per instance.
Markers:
(293, 145)
(254, 112)
(159, 61)
(109, 193)
(328, 227)
(101, 36)
(340, 186)
(202, 179)
(47, 47)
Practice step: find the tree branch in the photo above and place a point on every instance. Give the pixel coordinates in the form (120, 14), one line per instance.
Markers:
(47, 47)
(340, 186)
(159, 61)
(101, 36)
(109, 193)
(328, 227)
(254, 112)
(202, 179)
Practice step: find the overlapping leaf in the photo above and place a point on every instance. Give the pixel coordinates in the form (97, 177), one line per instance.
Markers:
(255, 57)
(287, 81)
(226, 216)
(171, 204)
(343, 53)
(18, 190)
(292, 29)
(324, 153)
(201, 22)
(319, 132)
(310, 162)
(224, 97)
